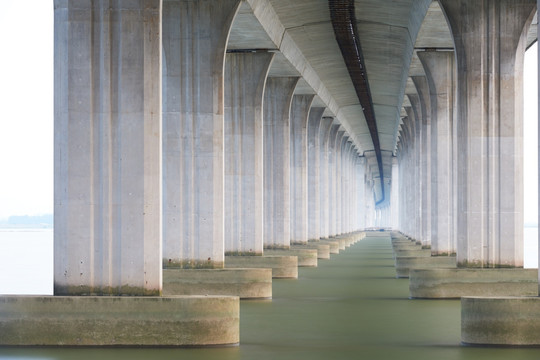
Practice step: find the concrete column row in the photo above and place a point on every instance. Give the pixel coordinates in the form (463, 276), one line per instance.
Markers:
(171, 152)
(460, 149)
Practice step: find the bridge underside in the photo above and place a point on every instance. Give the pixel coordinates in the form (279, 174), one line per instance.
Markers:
(186, 131)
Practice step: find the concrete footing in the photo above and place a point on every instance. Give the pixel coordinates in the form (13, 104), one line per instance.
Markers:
(507, 321)
(413, 253)
(403, 264)
(334, 245)
(455, 283)
(407, 246)
(323, 250)
(245, 283)
(341, 241)
(119, 321)
(306, 257)
(283, 267)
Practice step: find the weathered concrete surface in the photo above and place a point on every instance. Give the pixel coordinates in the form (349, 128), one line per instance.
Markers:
(283, 267)
(306, 257)
(404, 264)
(407, 246)
(334, 245)
(500, 321)
(323, 250)
(490, 128)
(455, 283)
(245, 283)
(412, 253)
(107, 148)
(194, 42)
(119, 321)
(245, 79)
(324, 181)
(277, 163)
(424, 110)
(439, 69)
(300, 108)
(314, 172)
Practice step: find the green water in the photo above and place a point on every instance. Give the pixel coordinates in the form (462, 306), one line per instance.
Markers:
(350, 307)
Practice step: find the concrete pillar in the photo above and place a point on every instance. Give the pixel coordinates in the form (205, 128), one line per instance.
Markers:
(340, 220)
(416, 182)
(324, 179)
(361, 194)
(424, 103)
(369, 199)
(245, 78)
(348, 192)
(332, 169)
(439, 69)
(194, 43)
(315, 122)
(278, 97)
(394, 195)
(337, 188)
(107, 186)
(300, 107)
(490, 128)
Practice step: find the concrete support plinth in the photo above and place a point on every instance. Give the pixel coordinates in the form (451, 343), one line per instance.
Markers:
(412, 246)
(195, 37)
(412, 253)
(245, 79)
(278, 97)
(334, 245)
(323, 250)
(404, 264)
(506, 321)
(119, 321)
(455, 283)
(283, 267)
(245, 283)
(306, 257)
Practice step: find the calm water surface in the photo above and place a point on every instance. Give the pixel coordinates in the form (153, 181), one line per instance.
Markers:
(350, 307)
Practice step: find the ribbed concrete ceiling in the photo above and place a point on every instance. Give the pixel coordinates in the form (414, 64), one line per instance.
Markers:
(302, 36)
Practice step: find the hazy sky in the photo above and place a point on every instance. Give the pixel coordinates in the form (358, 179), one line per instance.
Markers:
(26, 108)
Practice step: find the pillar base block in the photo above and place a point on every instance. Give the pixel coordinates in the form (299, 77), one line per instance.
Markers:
(119, 320)
(412, 253)
(500, 321)
(403, 264)
(334, 245)
(455, 283)
(306, 257)
(283, 267)
(245, 283)
(323, 250)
